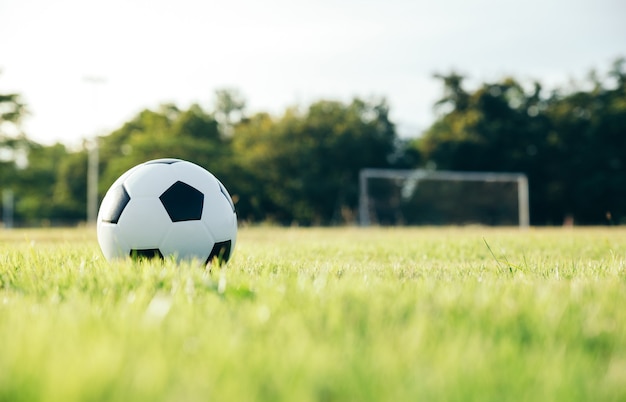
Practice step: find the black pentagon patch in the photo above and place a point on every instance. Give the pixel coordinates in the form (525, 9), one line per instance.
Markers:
(167, 161)
(182, 202)
(146, 254)
(220, 251)
(119, 198)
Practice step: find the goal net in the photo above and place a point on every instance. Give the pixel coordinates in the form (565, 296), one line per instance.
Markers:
(425, 197)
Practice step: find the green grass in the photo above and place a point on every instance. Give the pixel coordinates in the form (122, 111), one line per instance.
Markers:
(345, 314)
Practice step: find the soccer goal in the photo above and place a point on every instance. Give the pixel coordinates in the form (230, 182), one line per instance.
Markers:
(426, 197)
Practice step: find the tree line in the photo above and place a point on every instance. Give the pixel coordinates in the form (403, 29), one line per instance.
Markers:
(302, 166)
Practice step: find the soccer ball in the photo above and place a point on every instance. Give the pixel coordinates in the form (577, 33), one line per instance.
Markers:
(167, 208)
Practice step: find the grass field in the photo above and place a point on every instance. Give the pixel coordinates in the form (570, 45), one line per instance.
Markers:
(348, 314)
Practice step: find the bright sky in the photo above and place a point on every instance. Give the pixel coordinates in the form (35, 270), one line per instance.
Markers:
(284, 52)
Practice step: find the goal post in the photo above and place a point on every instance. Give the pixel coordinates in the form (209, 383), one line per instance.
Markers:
(402, 185)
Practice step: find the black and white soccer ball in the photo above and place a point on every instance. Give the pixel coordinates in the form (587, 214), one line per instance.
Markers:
(167, 208)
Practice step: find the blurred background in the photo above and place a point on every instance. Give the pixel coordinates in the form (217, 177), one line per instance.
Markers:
(287, 101)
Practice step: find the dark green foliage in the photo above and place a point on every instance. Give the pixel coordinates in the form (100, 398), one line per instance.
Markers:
(169, 132)
(572, 146)
(302, 167)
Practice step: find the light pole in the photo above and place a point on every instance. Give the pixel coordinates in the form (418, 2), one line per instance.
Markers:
(93, 157)
(7, 208)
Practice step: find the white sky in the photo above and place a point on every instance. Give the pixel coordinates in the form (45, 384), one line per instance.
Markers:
(284, 52)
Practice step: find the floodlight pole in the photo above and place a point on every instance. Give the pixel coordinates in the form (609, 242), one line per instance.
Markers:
(7, 208)
(92, 181)
(522, 199)
(364, 216)
(93, 159)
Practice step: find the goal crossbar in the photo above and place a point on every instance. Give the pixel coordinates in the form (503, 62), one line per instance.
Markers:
(422, 174)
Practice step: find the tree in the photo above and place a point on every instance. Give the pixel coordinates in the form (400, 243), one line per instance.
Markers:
(12, 111)
(303, 167)
(497, 127)
(69, 192)
(13, 143)
(229, 102)
(589, 141)
(454, 95)
(570, 144)
(191, 134)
